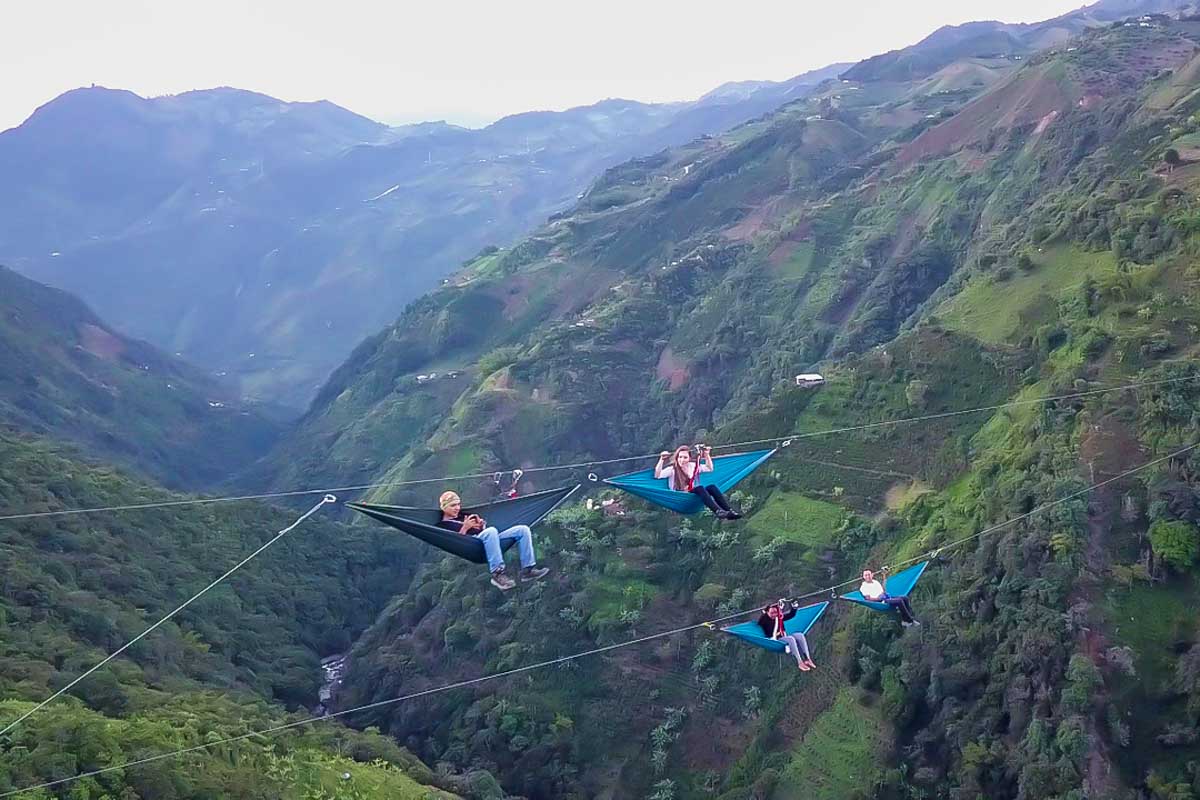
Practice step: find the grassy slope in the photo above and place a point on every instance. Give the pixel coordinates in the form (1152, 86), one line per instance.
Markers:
(995, 310)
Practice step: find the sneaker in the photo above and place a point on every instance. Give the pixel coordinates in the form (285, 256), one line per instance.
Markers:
(721, 513)
(906, 623)
(916, 622)
(502, 581)
(534, 573)
(734, 515)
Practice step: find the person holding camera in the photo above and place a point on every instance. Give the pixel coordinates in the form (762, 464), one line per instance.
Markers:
(772, 622)
(454, 519)
(683, 475)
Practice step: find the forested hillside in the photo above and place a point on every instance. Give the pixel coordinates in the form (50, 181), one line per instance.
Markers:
(64, 373)
(931, 249)
(74, 588)
(978, 249)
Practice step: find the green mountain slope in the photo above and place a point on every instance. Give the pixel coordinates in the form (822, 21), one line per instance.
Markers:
(931, 253)
(74, 588)
(65, 373)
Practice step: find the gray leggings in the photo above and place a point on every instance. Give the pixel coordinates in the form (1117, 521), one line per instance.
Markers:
(798, 645)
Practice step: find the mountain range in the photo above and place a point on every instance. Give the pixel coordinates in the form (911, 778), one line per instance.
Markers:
(262, 240)
(991, 256)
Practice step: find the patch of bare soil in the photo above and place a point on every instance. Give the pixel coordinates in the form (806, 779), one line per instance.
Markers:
(1029, 98)
(671, 369)
(783, 253)
(100, 342)
(901, 493)
(749, 225)
(1107, 448)
(759, 219)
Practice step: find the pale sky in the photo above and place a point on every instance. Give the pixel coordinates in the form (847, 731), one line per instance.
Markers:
(467, 62)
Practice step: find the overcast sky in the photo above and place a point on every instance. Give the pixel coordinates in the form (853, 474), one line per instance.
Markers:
(467, 62)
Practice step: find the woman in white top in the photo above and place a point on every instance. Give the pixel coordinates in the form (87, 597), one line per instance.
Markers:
(683, 475)
(874, 591)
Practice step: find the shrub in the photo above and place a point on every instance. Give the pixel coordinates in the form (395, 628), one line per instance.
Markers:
(1177, 543)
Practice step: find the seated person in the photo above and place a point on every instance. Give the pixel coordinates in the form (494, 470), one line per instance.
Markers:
(874, 591)
(683, 476)
(771, 621)
(453, 519)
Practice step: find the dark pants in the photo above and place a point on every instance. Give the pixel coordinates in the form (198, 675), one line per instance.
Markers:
(901, 605)
(712, 498)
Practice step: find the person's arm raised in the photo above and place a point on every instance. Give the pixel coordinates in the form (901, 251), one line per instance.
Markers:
(661, 469)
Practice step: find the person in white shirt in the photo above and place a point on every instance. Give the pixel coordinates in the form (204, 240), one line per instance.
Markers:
(874, 591)
(683, 475)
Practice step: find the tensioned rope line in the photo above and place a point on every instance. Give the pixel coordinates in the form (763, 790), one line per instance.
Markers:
(600, 462)
(326, 499)
(934, 552)
(594, 651)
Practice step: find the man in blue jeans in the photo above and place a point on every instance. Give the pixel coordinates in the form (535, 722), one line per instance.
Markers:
(453, 519)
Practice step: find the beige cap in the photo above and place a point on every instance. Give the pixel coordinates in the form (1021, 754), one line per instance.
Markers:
(448, 499)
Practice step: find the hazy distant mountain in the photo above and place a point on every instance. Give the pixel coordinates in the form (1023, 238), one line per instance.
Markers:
(264, 239)
(992, 39)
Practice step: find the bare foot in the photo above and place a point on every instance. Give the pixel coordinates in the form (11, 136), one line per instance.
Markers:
(804, 667)
(811, 665)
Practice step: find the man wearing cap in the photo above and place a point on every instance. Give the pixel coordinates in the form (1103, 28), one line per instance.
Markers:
(453, 519)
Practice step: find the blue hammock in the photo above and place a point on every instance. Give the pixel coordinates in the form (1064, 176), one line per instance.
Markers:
(727, 471)
(752, 632)
(899, 585)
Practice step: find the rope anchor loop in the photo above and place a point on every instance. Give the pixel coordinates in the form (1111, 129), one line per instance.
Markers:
(786, 443)
(593, 477)
(516, 478)
(329, 498)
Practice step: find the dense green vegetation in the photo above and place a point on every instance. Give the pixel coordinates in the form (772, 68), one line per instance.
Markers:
(74, 588)
(1028, 243)
(933, 246)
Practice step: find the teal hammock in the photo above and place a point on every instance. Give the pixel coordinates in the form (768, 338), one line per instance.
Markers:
(753, 633)
(422, 522)
(727, 471)
(899, 585)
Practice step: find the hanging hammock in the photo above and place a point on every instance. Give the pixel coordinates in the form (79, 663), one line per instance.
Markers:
(726, 472)
(899, 585)
(752, 632)
(422, 522)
